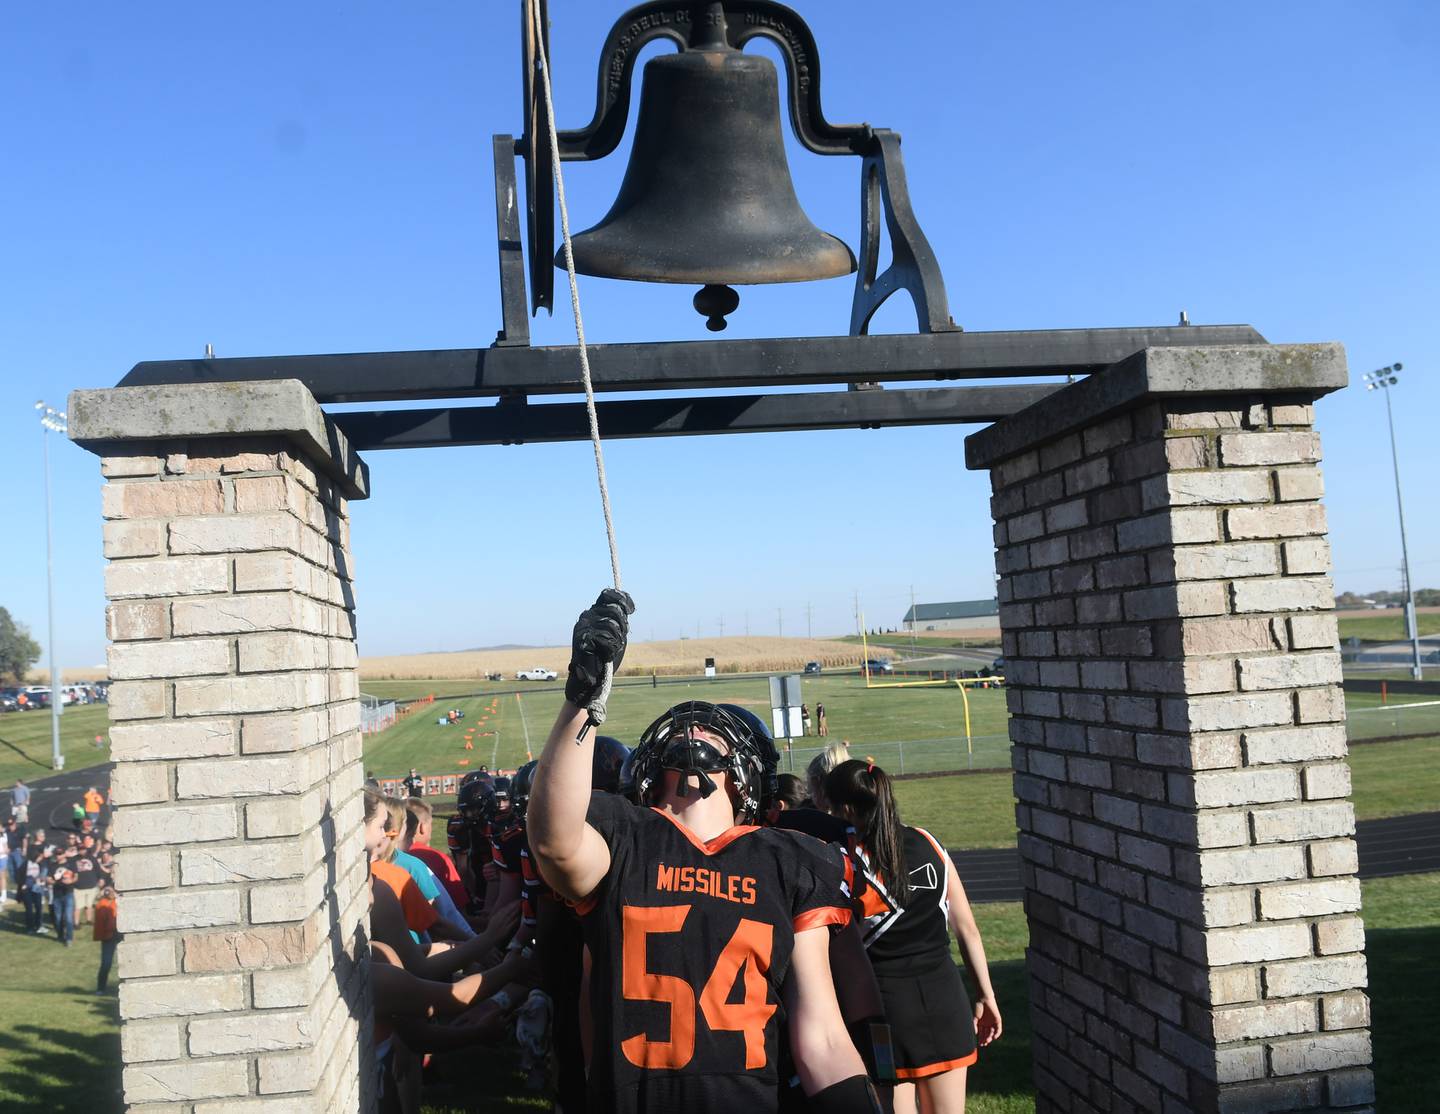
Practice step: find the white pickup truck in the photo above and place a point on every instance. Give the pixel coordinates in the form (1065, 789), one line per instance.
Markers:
(539, 673)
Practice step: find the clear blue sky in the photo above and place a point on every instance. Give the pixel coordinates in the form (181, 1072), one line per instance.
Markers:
(286, 178)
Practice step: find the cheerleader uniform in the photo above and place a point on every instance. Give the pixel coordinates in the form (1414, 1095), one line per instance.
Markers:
(932, 1025)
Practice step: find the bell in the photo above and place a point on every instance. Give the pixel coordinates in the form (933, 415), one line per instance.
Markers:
(707, 197)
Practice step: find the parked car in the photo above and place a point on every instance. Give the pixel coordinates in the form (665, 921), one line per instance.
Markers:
(812, 667)
(9, 701)
(995, 669)
(36, 696)
(539, 673)
(877, 665)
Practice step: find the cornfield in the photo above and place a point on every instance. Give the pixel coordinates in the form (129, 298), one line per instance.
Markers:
(674, 658)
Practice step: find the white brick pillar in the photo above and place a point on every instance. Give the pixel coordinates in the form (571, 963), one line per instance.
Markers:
(1179, 738)
(235, 734)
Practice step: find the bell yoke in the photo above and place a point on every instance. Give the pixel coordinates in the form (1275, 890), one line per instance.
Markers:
(707, 196)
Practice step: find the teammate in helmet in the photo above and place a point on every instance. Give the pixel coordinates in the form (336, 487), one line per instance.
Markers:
(685, 903)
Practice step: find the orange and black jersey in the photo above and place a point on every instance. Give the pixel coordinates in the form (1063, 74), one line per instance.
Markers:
(690, 943)
(506, 847)
(913, 938)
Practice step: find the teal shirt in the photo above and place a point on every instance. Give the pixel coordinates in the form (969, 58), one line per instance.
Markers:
(423, 875)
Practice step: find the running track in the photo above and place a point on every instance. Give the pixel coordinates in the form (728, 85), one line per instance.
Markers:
(1398, 845)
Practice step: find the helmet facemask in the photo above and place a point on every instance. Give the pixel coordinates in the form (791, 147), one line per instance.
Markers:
(675, 742)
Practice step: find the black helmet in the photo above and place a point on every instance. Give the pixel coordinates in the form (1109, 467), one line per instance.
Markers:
(608, 761)
(474, 801)
(765, 744)
(499, 800)
(670, 744)
(627, 778)
(520, 786)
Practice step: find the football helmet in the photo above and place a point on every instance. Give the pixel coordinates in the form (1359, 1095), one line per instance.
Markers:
(606, 765)
(520, 786)
(671, 743)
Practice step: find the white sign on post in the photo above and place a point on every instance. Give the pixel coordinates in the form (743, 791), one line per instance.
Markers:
(785, 720)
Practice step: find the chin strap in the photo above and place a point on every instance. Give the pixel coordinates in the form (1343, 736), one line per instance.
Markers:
(706, 786)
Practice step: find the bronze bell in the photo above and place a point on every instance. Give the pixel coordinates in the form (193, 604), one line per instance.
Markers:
(707, 197)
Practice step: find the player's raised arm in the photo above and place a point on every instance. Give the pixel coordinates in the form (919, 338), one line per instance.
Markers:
(570, 854)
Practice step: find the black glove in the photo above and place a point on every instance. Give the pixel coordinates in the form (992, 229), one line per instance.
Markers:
(596, 650)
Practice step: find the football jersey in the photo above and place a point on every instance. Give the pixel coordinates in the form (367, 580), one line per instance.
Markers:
(690, 944)
(505, 848)
(899, 939)
(813, 822)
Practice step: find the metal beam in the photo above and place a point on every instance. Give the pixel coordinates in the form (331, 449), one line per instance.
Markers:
(693, 365)
(509, 423)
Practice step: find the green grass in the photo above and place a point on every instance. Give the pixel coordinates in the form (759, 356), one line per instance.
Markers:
(963, 810)
(59, 1043)
(1387, 626)
(25, 741)
(1395, 779)
(929, 720)
(1401, 715)
(999, 1083)
(1402, 938)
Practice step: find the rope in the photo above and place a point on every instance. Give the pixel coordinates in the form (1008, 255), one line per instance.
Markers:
(543, 67)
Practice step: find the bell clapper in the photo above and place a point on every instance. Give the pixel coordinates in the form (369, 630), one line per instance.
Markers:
(714, 303)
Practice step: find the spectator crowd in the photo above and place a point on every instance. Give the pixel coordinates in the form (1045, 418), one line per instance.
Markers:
(62, 877)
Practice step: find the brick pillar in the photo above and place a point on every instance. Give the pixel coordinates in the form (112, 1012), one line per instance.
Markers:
(1179, 738)
(235, 734)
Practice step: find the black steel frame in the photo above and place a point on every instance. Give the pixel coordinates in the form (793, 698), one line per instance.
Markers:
(512, 370)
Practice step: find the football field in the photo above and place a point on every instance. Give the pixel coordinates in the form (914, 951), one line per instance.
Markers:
(503, 725)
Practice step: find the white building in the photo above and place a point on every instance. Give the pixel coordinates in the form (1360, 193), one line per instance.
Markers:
(958, 615)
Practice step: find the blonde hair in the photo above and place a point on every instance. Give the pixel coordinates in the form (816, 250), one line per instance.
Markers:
(821, 765)
(394, 827)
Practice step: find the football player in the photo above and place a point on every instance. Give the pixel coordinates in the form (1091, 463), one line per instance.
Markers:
(700, 925)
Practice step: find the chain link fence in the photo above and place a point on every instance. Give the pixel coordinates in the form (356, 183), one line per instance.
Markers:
(911, 756)
(1395, 721)
(376, 715)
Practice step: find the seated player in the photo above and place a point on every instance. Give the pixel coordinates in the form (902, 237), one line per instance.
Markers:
(700, 925)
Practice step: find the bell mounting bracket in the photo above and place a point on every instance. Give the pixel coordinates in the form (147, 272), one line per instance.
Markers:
(913, 265)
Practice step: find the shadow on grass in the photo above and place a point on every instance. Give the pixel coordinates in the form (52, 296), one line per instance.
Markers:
(61, 1070)
(1404, 987)
(25, 754)
(1000, 1079)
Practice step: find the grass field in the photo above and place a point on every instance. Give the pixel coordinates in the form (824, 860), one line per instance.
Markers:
(59, 1046)
(921, 717)
(25, 741)
(1386, 626)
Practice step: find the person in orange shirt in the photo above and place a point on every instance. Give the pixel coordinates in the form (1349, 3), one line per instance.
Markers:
(106, 934)
(94, 802)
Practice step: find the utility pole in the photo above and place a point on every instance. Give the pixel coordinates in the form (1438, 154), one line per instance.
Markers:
(857, 611)
(912, 617)
(747, 624)
(1383, 380)
(722, 626)
(809, 632)
(52, 421)
(780, 621)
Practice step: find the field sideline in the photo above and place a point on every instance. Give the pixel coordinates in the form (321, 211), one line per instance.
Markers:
(61, 1054)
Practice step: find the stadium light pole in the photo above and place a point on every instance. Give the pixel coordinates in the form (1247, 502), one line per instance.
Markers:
(52, 421)
(1382, 380)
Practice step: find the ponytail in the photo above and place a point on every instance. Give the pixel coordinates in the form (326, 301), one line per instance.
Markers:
(865, 791)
